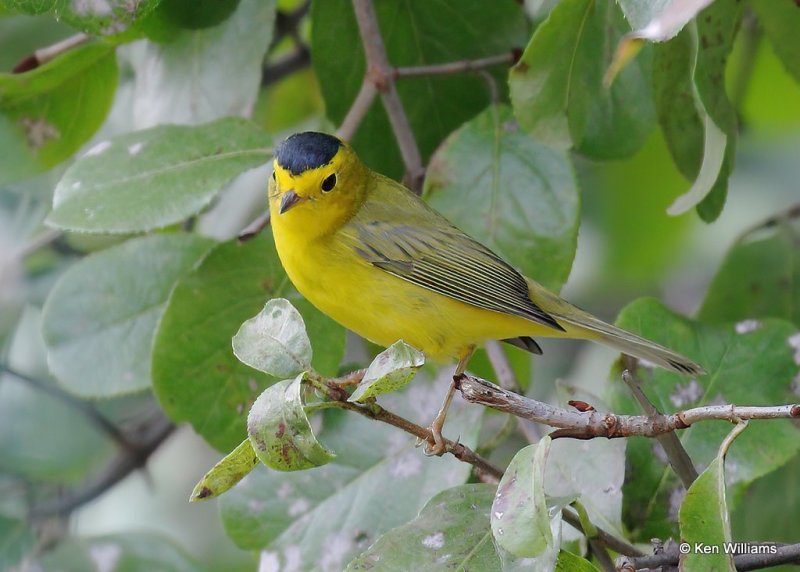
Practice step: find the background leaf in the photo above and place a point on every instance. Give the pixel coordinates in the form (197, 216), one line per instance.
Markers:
(201, 75)
(733, 377)
(100, 317)
(450, 533)
(780, 21)
(557, 86)
(153, 178)
(434, 105)
(129, 552)
(42, 123)
(689, 81)
(196, 377)
(759, 278)
(514, 195)
(65, 449)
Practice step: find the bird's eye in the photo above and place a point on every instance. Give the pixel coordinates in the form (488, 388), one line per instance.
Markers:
(329, 183)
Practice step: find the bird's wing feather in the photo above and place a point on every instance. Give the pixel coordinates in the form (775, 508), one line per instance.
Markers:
(426, 250)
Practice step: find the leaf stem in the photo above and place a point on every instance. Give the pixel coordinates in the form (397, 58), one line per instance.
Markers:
(44, 55)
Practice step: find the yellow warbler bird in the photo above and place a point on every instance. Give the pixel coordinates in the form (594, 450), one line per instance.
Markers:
(374, 257)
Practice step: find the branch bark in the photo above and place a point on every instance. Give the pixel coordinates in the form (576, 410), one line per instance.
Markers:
(783, 554)
(381, 74)
(591, 424)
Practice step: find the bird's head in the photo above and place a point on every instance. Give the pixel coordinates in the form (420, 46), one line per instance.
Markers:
(318, 183)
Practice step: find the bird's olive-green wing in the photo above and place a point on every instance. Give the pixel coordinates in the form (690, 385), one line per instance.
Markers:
(435, 255)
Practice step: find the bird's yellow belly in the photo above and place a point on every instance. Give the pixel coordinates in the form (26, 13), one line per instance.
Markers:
(383, 308)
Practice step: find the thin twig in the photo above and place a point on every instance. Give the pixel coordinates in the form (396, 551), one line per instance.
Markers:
(616, 544)
(378, 413)
(455, 67)
(79, 405)
(295, 60)
(501, 366)
(678, 458)
(591, 424)
(777, 554)
(44, 55)
(120, 467)
(380, 73)
(361, 104)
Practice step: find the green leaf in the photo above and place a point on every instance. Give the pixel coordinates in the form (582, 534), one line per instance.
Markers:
(42, 121)
(592, 471)
(41, 437)
(704, 514)
(196, 376)
(569, 562)
(197, 15)
(16, 539)
(154, 178)
(435, 105)
(274, 341)
(557, 86)
(226, 473)
(280, 432)
(698, 120)
(450, 533)
(514, 195)
(100, 317)
(759, 278)
(323, 517)
(197, 76)
(97, 17)
(780, 21)
(391, 370)
(520, 519)
(734, 376)
(128, 552)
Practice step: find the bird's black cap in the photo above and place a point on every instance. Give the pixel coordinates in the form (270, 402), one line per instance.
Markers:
(308, 150)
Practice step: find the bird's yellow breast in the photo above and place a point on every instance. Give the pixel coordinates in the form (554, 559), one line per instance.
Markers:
(382, 307)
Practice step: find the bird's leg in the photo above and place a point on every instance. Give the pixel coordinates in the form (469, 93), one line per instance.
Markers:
(438, 446)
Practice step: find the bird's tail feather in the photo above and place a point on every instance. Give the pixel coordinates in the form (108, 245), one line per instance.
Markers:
(591, 327)
(633, 345)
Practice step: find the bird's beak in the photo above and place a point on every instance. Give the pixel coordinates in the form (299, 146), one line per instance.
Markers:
(290, 199)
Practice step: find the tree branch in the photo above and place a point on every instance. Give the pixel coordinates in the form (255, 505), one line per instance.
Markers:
(361, 104)
(783, 554)
(591, 424)
(127, 461)
(614, 543)
(83, 407)
(296, 60)
(455, 67)
(381, 74)
(334, 390)
(678, 458)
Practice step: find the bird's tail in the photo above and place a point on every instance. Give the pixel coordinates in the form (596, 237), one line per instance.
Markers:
(579, 323)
